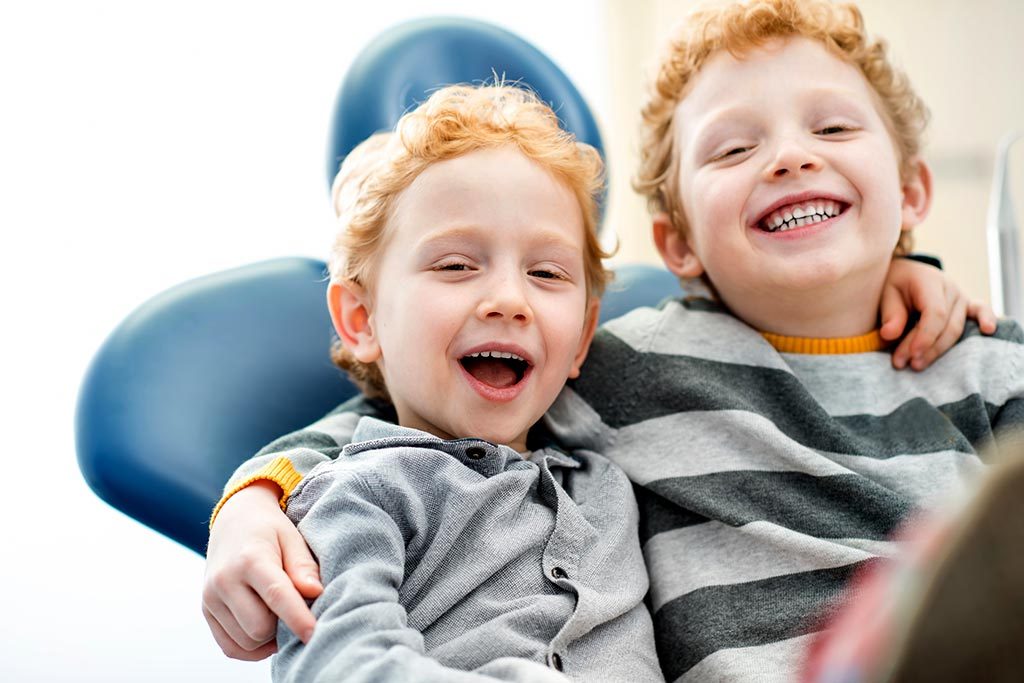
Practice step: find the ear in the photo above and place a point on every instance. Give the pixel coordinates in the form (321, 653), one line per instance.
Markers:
(674, 248)
(350, 312)
(589, 328)
(917, 194)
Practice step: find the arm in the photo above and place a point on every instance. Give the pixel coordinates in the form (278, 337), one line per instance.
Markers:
(258, 568)
(362, 632)
(914, 286)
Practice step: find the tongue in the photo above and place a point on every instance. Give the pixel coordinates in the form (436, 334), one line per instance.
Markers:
(491, 371)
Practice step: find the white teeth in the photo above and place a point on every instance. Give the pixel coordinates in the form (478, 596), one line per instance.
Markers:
(495, 354)
(795, 216)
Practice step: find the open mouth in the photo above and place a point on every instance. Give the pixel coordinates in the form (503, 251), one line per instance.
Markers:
(800, 214)
(498, 369)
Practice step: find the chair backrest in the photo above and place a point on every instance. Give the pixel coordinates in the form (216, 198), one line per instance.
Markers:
(404, 65)
(197, 379)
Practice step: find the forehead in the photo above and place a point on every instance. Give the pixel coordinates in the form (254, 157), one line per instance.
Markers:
(761, 78)
(497, 190)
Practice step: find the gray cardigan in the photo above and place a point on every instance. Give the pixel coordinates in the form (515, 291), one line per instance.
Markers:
(461, 561)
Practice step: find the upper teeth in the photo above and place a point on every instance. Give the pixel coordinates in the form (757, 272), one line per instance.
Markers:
(495, 354)
(795, 215)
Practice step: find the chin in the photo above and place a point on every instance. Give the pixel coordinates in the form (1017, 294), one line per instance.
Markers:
(814, 274)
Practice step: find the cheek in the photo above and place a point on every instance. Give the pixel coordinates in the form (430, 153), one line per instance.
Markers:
(564, 327)
(712, 206)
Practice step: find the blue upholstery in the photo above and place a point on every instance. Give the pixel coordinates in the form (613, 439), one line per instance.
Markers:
(401, 67)
(197, 379)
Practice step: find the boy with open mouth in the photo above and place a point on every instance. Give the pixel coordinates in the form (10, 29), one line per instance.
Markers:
(465, 286)
(773, 444)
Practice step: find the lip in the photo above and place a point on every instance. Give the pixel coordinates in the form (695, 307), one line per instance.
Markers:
(486, 391)
(797, 198)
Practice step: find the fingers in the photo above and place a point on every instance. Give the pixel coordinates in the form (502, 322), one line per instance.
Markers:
(894, 314)
(234, 605)
(277, 590)
(233, 649)
(299, 563)
(983, 313)
(935, 305)
(901, 354)
(935, 315)
(946, 339)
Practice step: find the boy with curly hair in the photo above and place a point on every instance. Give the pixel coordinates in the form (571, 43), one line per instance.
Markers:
(773, 445)
(465, 285)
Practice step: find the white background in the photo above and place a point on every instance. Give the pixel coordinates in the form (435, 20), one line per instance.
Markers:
(143, 144)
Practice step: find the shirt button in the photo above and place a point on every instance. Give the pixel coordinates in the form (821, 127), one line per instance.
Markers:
(475, 452)
(556, 661)
(559, 573)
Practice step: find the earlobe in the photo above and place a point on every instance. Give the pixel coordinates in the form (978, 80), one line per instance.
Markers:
(675, 249)
(917, 194)
(350, 312)
(589, 328)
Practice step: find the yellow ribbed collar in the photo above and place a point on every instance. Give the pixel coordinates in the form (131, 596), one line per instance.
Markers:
(865, 343)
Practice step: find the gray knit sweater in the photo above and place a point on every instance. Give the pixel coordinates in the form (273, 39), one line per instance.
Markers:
(461, 561)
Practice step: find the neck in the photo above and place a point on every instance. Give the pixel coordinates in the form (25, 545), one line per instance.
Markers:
(823, 311)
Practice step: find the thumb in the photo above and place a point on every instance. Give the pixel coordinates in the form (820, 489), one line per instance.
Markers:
(298, 562)
(893, 312)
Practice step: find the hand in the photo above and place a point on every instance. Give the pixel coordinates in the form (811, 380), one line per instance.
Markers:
(258, 568)
(943, 307)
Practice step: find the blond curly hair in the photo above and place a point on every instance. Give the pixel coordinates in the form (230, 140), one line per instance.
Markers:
(453, 121)
(741, 26)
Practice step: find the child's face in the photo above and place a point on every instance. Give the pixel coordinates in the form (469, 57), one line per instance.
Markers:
(485, 256)
(789, 129)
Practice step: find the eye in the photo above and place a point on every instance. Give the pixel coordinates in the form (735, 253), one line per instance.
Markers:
(732, 152)
(547, 274)
(833, 130)
(453, 266)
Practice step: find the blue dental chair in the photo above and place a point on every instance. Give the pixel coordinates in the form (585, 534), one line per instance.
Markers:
(200, 377)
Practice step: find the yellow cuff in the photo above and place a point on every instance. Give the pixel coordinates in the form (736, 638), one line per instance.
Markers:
(279, 470)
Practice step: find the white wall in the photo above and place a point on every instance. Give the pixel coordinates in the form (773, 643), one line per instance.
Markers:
(143, 144)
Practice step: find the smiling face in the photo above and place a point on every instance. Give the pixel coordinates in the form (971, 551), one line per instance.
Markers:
(478, 311)
(789, 181)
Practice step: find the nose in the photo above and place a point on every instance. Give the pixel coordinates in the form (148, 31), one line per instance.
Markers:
(506, 299)
(792, 158)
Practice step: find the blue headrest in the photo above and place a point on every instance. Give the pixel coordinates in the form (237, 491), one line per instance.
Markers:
(405, 64)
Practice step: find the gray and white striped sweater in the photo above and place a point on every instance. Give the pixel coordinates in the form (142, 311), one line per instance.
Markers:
(766, 479)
